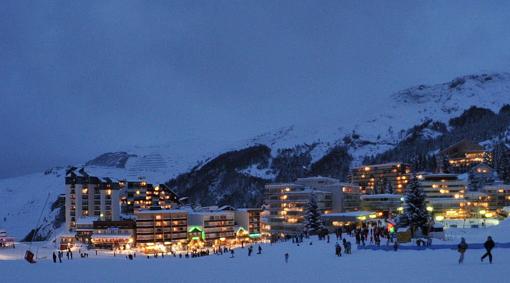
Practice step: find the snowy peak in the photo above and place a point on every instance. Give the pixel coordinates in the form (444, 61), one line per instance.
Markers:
(485, 90)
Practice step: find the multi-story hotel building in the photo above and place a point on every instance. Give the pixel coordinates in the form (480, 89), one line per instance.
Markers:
(216, 226)
(249, 220)
(344, 196)
(498, 196)
(287, 206)
(460, 157)
(114, 234)
(382, 178)
(142, 195)
(382, 203)
(444, 194)
(90, 196)
(161, 228)
(442, 186)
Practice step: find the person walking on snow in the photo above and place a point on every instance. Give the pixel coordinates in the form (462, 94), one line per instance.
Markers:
(54, 258)
(286, 257)
(260, 250)
(488, 245)
(461, 248)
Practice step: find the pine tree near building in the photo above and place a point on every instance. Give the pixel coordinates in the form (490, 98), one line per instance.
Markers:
(501, 159)
(415, 207)
(313, 223)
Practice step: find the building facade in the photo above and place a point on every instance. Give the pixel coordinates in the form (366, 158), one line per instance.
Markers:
(217, 226)
(381, 178)
(158, 229)
(142, 195)
(382, 203)
(498, 196)
(344, 196)
(90, 196)
(287, 204)
(249, 220)
(462, 156)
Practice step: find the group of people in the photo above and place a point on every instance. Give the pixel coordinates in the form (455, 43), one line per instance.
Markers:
(462, 247)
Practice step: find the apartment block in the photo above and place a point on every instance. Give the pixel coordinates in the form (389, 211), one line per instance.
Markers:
(217, 226)
(160, 228)
(90, 196)
(287, 204)
(387, 178)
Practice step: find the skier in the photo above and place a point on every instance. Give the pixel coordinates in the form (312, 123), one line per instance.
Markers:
(60, 255)
(461, 248)
(250, 249)
(260, 250)
(54, 258)
(286, 257)
(232, 253)
(338, 250)
(488, 245)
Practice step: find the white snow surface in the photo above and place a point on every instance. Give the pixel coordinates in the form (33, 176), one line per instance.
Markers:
(307, 263)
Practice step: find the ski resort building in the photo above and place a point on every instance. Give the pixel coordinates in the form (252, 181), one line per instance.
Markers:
(382, 178)
(142, 195)
(90, 196)
(248, 219)
(460, 157)
(344, 196)
(287, 204)
(114, 234)
(498, 196)
(159, 229)
(382, 204)
(217, 227)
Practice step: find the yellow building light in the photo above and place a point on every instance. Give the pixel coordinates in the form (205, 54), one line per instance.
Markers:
(439, 218)
(287, 189)
(367, 168)
(489, 214)
(109, 192)
(430, 208)
(84, 190)
(372, 216)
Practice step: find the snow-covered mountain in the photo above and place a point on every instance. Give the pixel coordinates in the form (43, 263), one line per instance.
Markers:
(221, 166)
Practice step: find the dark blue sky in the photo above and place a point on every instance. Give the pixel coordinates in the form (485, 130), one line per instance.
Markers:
(78, 78)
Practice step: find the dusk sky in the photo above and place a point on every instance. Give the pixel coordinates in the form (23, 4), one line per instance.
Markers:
(79, 78)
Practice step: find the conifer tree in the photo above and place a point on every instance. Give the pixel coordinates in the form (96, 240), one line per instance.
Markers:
(313, 223)
(415, 208)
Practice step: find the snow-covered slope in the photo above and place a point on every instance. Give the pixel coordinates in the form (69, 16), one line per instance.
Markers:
(23, 199)
(374, 133)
